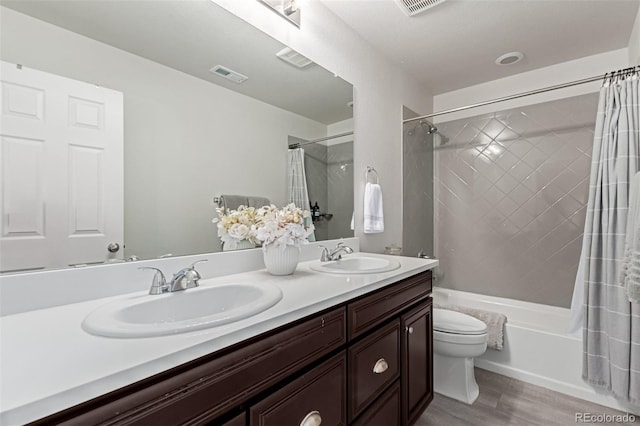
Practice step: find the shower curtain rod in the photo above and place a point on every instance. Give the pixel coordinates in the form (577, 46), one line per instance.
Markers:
(529, 93)
(326, 138)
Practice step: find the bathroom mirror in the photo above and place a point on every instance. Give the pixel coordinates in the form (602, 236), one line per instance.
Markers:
(191, 131)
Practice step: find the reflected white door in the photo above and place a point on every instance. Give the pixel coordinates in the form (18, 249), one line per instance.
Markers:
(61, 166)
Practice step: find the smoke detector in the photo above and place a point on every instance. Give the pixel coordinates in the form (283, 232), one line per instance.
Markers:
(292, 57)
(414, 7)
(509, 58)
(229, 74)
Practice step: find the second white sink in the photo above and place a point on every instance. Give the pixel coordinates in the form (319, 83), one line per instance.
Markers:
(182, 311)
(356, 264)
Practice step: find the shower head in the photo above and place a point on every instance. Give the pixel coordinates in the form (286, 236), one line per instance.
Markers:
(428, 128)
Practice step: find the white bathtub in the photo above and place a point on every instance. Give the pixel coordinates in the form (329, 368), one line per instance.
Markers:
(537, 347)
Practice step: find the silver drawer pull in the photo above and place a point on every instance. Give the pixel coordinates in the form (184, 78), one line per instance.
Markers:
(409, 330)
(312, 419)
(380, 366)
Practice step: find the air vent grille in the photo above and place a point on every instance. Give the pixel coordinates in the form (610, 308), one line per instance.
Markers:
(294, 58)
(413, 7)
(229, 74)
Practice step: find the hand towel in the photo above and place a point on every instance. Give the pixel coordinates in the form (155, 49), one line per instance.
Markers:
(232, 202)
(257, 202)
(630, 268)
(373, 215)
(353, 221)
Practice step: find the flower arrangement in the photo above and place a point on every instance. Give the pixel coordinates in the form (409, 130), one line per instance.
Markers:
(235, 226)
(282, 227)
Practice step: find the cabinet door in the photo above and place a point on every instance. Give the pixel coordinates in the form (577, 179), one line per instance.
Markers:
(317, 397)
(385, 411)
(417, 361)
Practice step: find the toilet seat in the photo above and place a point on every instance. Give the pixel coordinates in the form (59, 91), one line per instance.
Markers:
(456, 323)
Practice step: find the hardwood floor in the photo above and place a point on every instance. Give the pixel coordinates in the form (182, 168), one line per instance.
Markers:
(506, 401)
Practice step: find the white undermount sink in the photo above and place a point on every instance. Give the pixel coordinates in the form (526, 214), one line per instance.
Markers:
(181, 311)
(356, 264)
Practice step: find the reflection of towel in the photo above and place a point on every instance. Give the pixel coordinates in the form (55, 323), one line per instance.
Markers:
(258, 202)
(630, 269)
(373, 215)
(495, 323)
(232, 202)
(353, 221)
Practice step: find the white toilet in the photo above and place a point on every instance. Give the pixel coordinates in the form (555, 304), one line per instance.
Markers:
(457, 339)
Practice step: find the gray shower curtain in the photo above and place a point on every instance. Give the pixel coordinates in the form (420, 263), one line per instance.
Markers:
(611, 332)
(298, 192)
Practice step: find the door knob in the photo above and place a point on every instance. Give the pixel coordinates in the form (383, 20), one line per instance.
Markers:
(113, 247)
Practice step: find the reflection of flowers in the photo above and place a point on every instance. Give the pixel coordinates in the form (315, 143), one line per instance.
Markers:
(236, 225)
(282, 227)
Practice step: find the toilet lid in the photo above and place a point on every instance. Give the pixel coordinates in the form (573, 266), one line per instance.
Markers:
(448, 321)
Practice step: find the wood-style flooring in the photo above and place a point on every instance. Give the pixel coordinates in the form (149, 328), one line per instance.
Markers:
(506, 401)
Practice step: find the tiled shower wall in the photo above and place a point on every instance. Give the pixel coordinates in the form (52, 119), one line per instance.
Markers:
(511, 191)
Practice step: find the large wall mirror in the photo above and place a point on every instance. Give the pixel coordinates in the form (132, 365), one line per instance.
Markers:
(167, 75)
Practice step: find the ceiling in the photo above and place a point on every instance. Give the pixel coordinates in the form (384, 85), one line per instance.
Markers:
(192, 37)
(454, 44)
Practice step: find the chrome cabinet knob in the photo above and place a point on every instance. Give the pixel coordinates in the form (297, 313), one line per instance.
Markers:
(113, 247)
(313, 418)
(409, 330)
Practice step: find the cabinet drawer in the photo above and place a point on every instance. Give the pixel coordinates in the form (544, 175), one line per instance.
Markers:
(372, 310)
(385, 411)
(317, 397)
(205, 389)
(373, 366)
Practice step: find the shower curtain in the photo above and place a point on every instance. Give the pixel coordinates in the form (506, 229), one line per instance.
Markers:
(298, 193)
(611, 324)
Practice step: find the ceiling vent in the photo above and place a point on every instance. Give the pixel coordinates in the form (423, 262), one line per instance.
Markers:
(294, 58)
(413, 7)
(229, 74)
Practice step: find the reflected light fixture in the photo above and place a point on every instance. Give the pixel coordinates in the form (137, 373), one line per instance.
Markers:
(288, 9)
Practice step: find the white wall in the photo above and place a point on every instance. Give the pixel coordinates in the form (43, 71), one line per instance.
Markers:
(565, 72)
(381, 89)
(169, 189)
(634, 43)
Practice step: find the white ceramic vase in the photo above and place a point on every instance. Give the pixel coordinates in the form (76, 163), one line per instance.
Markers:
(281, 261)
(240, 245)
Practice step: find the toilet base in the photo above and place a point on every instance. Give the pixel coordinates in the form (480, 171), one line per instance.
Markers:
(454, 377)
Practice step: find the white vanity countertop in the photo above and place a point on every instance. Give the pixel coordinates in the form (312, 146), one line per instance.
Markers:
(49, 363)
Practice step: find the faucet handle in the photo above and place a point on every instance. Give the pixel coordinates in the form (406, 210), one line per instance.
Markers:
(159, 283)
(196, 262)
(325, 253)
(191, 276)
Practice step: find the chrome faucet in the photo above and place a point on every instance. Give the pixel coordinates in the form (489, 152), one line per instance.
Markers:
(182, 280)
(336, 253)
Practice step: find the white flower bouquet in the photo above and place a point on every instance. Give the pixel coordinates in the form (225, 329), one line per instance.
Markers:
(235, 226)
(282, 227)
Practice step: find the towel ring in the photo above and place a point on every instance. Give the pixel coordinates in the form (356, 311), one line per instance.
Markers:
(371, 170)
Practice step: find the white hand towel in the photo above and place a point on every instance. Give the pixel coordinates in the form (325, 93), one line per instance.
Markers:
(630, 268)
(353, 221)
(373, 215)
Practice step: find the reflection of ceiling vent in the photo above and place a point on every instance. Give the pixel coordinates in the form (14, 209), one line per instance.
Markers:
(225, 72)
(413, 7)
(294, 58)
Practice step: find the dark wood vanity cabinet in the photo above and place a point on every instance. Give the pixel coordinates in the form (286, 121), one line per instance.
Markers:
(365, 362)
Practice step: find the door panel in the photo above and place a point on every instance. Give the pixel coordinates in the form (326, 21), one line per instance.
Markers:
(62, 170)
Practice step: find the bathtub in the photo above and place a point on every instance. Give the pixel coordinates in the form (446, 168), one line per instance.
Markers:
(537, 347)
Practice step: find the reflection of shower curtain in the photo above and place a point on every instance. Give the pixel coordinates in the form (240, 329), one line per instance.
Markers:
(298, 193)
(611, 325)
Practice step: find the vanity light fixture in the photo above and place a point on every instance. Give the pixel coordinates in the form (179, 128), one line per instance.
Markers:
(288, 9)
(229, 74)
